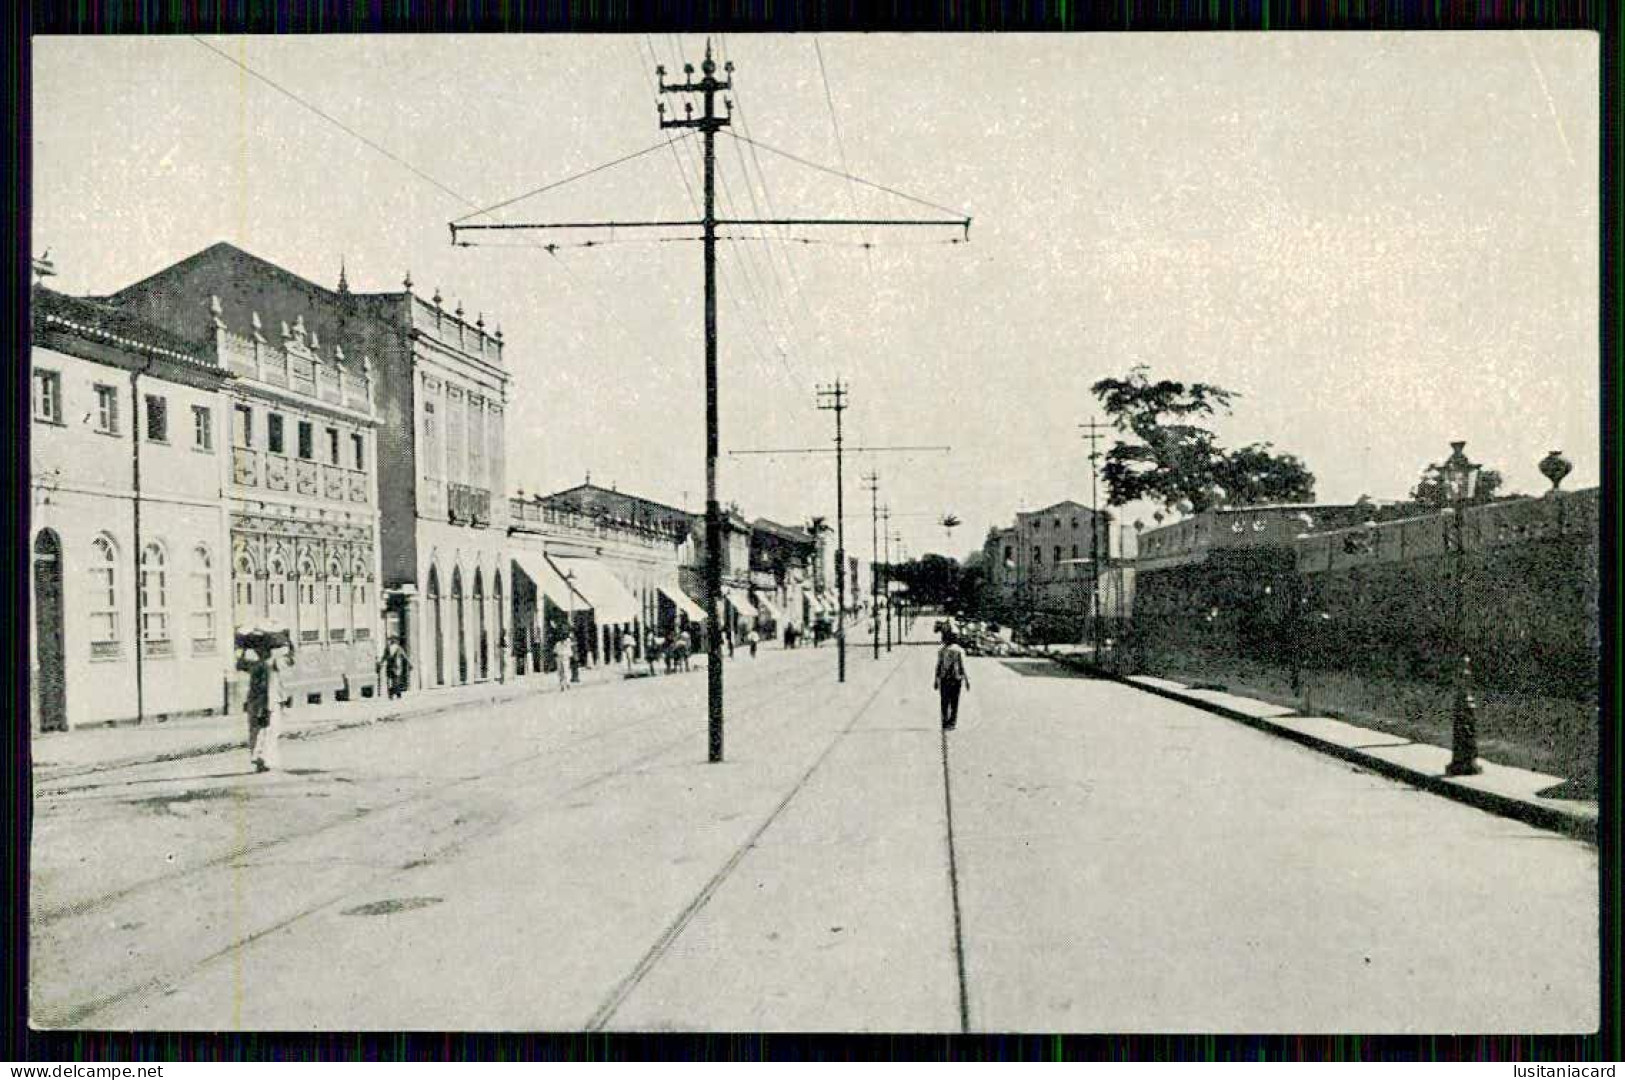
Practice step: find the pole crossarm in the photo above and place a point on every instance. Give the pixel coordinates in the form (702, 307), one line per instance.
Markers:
(510, 226)
(849, 450)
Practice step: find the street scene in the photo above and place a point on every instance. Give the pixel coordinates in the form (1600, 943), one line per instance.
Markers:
(759, 550)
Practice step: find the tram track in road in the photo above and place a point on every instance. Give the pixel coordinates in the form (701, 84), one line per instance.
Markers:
(674, 930)
(47, 916)
(73, 1014)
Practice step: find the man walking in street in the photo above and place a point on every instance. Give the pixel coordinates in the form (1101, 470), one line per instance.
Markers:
(950, 678)
(397, 665)
(564, 653)
(629, 648)
(752, 640)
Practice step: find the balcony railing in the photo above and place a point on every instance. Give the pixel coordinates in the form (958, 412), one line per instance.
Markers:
(245, 466)
(468, 505)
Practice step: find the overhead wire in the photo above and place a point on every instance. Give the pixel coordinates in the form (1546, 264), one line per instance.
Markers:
(745, 269)
(768, 303)
(752, 332)
(957, 214)
(840, 146)
(801, 305)
(413, 169)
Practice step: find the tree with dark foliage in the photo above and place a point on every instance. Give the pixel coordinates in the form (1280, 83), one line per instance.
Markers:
(1170, 460)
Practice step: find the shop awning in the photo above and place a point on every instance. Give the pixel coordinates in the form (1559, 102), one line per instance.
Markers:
(740, 601)
(548, 582)
(822, 605)
(611, 603)
(769, 608)
(674, 592)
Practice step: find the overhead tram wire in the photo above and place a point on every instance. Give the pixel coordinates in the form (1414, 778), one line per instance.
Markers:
(956, 215)
(445, 189)
(840, 148)
(726, 273)
(802, 306)
(772, 209)
(773, 305)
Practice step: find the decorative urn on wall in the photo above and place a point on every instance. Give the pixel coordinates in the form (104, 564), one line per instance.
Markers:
(1554, 467)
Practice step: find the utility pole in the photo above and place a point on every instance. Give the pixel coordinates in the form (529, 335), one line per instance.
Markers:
(885, 515)
(872, 482)
(708, 123)
(1094, 428)
(833, 399)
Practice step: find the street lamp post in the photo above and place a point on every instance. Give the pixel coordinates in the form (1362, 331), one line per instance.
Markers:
(1460, 479)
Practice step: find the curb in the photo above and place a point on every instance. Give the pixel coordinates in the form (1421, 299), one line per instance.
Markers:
(1542, 817)
(313, 731)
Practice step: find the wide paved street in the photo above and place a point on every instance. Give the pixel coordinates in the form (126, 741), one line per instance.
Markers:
(1088, 857)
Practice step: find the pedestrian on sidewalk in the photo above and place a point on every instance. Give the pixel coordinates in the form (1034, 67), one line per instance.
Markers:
(950, 678)
(397, 666)
(564, 654)
(267, 698)
(629, 646)
(752, 640)
(728, 636)
(651, 650)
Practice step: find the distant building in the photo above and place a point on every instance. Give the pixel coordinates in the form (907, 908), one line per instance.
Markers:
(1045, 559)
(127, 458)
(787, 556)
(595, 574)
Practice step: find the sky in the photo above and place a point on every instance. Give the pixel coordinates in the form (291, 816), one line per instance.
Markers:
(1382, 242)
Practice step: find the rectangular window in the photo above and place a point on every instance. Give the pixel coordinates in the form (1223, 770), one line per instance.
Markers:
(1009, 553)
(1074, 551)
(306, 441)
(157, 418)
(273, 434)
(1057, 553)
(242, 434)
(106, 410)
(202, 428)
(332, 446)
(1038, 554)
(48, 396)
(359, 446)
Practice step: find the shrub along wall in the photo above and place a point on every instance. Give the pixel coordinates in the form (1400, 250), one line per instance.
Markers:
(1373, 612)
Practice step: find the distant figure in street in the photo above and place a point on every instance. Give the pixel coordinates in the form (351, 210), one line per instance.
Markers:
(564, 654)
(668, 650)
(679, 648)
(789, 636)
(950, 678)
(651, 650)
(397, 666)
(752, 641)
(267, 697)
(629, 648)
(729, 638)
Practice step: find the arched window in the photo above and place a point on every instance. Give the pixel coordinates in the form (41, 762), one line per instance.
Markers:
(338, 603)
(154, 598)
(276, 591)
(434, 628)
(310, 611)
(496, 602)
(483, 653)
(242, 586)
(203, 625)
(360, 596)
(462, 623)
(104, 607)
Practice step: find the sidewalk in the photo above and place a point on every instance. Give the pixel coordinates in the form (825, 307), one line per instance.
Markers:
(97, 748)
(1499, 789)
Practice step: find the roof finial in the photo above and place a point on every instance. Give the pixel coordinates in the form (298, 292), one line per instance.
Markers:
(589, 477)
(344, 284)
(407, 281)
